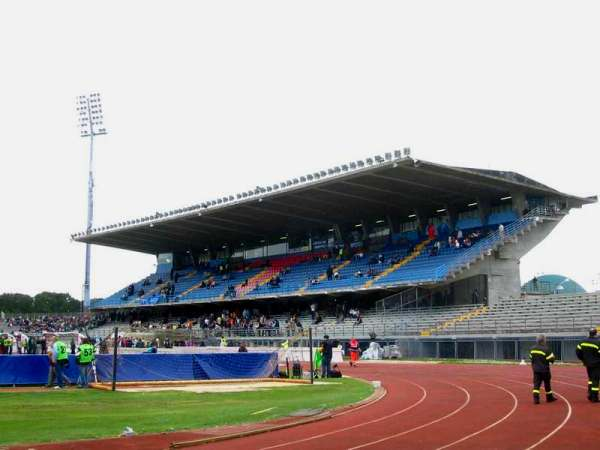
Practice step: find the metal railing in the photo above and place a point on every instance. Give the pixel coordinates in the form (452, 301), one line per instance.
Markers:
(491, 241)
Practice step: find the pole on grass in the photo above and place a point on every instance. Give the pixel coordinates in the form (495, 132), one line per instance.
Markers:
(310, 353)
(114, 365)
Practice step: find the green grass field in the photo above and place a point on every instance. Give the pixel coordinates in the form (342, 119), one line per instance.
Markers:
(85, 414)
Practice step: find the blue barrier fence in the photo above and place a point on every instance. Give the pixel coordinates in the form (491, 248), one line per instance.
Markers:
(33, 369)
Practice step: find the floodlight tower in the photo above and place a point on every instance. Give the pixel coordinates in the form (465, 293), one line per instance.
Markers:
(89, 108)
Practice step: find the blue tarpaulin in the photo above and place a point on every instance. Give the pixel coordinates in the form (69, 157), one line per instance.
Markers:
(33, 369)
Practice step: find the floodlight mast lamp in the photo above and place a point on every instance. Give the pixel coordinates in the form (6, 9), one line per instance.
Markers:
(89, 108)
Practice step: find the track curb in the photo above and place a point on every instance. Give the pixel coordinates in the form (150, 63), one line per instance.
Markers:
(377, 395)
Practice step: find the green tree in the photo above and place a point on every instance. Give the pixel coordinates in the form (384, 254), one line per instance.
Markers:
(44, 302)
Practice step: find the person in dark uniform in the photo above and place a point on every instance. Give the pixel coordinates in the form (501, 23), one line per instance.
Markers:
(327, 346)
(588, 351)
(541, 357)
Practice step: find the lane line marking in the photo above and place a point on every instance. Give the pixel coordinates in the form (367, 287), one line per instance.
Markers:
(560, 426)
(569, 384)
(514, 408)
(262, 411)
(341, 430)
(456, 411)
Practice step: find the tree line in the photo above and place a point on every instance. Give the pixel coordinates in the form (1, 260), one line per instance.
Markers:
(44, 302)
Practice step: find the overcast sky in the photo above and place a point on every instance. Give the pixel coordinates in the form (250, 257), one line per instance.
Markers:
(209, 98)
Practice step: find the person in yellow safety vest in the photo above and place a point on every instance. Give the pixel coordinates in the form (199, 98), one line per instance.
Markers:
(8, 344)
(541, 357)
(285, 344)
(223, 341)
(86, 355)
(588, 351)
(59, 359)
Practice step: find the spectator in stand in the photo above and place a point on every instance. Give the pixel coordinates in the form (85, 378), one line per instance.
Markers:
(431, 231)
(329, 273)
(501, 231)
(358, 274)
(141, 293)
(336, 275)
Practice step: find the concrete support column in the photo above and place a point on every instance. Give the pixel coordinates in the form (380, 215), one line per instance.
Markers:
(452, 217)
(337, 233)
(483, 205)
(519, 202)
(422, 220)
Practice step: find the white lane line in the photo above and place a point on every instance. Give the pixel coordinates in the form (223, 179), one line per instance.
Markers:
(341, 430)
(514, 408)
(262, 411)
(447, 416)
(569, 384)
(560, 426)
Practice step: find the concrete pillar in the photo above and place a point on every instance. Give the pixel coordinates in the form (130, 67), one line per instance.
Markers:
(483, 206)
(422, 220)
(337, 233)
(519, 202)
(452, 217)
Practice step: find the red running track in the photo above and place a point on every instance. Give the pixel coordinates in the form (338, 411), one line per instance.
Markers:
(449, 406)
(427, 406)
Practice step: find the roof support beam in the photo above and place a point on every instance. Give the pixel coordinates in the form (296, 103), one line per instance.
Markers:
(357, 197)
(288, 215)
(411, 198)
(417, 184)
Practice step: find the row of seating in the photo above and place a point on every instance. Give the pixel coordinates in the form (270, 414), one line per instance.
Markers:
(306, 275)
(535, 314)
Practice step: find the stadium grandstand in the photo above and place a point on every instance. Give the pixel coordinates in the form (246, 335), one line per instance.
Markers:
(390, 247)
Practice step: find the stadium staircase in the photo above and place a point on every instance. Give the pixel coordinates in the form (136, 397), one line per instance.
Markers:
(323, 276)
(257, 280)
(197, 285)
(452, 322)
(416, 252)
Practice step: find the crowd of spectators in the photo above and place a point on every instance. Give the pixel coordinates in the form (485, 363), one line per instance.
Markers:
(455, 240)
(51, 323)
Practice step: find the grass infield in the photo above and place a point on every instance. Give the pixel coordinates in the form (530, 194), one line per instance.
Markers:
(86, 414)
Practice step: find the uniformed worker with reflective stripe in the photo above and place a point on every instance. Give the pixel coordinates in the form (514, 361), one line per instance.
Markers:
(588, 351)
(541, 357)
(85, 357)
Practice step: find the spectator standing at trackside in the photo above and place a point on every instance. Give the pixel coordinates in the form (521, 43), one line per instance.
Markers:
(327, 346)
(59, 359)
(242, 348)
(588, 351)
(354, 351)
(541, 357)
(85, 358)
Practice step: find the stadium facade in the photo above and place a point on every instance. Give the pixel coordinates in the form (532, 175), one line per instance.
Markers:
(365, 229)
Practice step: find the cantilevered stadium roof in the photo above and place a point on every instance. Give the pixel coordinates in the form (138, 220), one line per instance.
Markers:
(343, 195)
